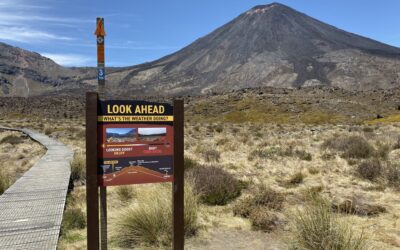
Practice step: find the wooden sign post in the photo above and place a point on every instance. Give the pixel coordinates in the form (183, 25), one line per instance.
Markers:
(133, 142)
(130, 142)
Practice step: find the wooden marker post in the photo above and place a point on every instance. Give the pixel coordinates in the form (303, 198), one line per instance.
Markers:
(92, 195)
(101, 77)
(101, 72)
(178, 184)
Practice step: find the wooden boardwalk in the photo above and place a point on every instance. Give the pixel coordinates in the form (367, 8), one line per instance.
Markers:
(31, 210)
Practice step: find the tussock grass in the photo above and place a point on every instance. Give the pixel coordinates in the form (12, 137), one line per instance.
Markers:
(5, 181)
(73, 218)
(78, 167)
(316, 228)
(125, 193)
(149, 220)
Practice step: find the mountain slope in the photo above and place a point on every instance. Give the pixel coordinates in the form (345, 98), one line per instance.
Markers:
(25, 73)
(269, 45)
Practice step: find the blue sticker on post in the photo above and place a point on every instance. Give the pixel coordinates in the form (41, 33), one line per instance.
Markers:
(101, 73)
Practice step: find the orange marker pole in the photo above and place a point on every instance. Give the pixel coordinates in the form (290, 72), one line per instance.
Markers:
(101, 72)
(101, 77)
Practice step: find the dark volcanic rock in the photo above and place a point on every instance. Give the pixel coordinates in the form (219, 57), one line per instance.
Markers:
(270, 45)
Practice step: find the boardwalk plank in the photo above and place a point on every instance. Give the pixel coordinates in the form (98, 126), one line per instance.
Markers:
(31, 209)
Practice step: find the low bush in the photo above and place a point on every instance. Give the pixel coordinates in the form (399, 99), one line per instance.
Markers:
(73, 218)
(263, 197)
(125, 193)
(264, 220)
(215, 185)
(356, 207)
(316, 227)
(149, 221)
(12, 139)
(48, 130)
(350, 146)
(78, 167)
(370, 169)
(392, 175)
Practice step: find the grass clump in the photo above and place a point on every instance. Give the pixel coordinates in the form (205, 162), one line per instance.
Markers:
(12, 139)
(350, 146)
(125, 193)
(370, 169)
(78, 167)
(5, 181)
(189, 163)
(215, 185)
(316, 227)
(295, 179)
(260, 207)
(73, 218)
(149, 221)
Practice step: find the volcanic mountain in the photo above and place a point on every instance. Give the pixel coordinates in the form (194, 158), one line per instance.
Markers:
(269, 45)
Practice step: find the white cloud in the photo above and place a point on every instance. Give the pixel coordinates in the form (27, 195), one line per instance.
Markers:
(68, 59)
(28, 35)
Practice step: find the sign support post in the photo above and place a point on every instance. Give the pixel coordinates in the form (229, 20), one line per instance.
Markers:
(101, 76)
(178, 184)
(92, 196)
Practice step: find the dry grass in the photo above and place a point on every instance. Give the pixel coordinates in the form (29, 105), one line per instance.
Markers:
(78, 166)
(316, 227)
(149, 220)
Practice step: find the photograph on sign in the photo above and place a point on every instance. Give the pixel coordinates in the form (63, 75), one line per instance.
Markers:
(134, 152)
(121, 134)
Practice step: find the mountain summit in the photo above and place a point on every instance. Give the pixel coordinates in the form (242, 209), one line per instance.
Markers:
(269, 45)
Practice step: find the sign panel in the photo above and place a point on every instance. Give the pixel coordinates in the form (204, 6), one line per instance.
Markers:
(135, 142)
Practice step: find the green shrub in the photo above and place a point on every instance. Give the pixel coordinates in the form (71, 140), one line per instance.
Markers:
(350, 146)
(149, 221)
(12, 139)
(78, 167)
(215, 185)
(125, 193)
(317, 228)
(73, 218)
(370, 169)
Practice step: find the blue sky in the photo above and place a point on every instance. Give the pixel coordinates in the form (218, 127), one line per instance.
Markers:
(139, 31)
(119, 130)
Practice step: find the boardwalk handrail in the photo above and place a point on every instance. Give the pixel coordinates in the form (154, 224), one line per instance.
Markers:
(31, 209)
